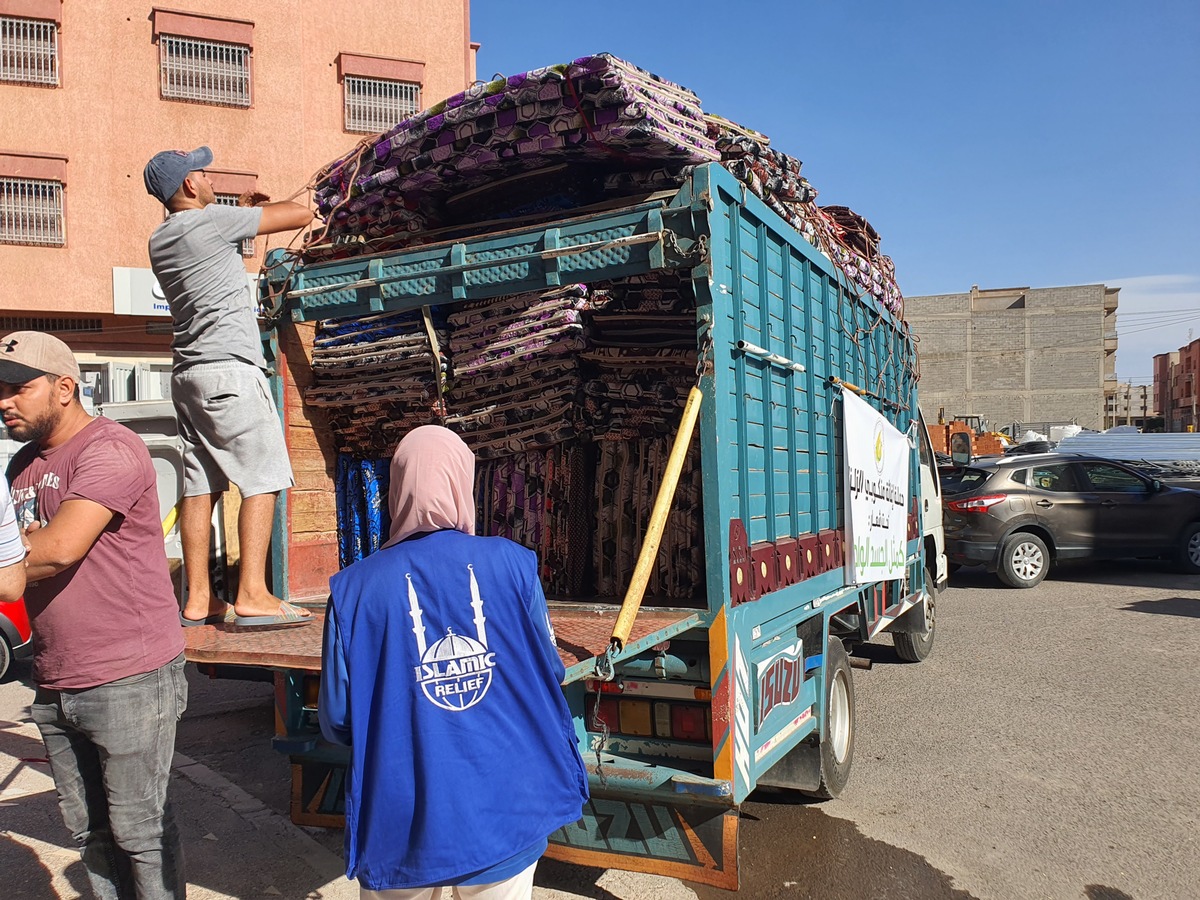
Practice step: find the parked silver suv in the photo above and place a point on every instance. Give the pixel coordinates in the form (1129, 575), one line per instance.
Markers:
(1018, 515)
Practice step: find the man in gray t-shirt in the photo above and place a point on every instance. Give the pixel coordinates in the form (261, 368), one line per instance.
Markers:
(194, 256)
(227, 419)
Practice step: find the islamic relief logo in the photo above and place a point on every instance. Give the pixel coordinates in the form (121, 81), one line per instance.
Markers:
(878, 446)
(456, 670)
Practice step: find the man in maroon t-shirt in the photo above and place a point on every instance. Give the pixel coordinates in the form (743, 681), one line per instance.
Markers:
(108, 650)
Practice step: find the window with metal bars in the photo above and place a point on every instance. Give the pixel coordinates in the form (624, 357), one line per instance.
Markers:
(28, 51)
(49, 323)
(31, 212)
(204, 71)
(247, 248)
(378, 104)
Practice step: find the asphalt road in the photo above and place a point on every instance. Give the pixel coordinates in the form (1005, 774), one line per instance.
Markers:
(1047, 749)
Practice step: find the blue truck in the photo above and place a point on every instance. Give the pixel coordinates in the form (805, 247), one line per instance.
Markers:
(683, 709)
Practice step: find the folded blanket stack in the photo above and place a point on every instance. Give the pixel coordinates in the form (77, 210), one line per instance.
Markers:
(843, 236)
(628, 474)
(597, 109)
(542, 499)
(772, 176)
(558, 138)
(855, 248)
(642, 360)
(375, 376)
(516, 370)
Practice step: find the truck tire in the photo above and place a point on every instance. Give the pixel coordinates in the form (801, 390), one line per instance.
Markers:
(1189, 549)
(837, 748)
(1024, 560)
(914, 646)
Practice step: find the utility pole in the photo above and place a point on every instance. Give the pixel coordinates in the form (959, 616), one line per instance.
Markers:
(1143, 407)
(1128, 406)
(1192, 383)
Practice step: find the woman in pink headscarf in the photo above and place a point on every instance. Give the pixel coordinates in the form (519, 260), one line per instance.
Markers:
(432, 484)
(441, 674)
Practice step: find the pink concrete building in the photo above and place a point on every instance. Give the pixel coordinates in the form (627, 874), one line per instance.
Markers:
(1177, 387)
(277, 88)
(90, 91)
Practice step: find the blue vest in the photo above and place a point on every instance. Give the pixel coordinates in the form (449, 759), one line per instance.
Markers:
(440, 672)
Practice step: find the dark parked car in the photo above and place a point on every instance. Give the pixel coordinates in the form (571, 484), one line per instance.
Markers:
(1030, 447)
(16, 639)
(1019, 514)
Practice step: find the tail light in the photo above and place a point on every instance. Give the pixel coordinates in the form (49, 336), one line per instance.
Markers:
(669, 719)
(690, 723)
(636, 717)
(977, 504)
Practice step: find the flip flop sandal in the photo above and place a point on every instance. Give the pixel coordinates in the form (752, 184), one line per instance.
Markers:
(225, 618)
(288, 615)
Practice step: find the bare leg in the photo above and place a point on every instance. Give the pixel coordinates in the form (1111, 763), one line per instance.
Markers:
(254, 536)
(195, 526)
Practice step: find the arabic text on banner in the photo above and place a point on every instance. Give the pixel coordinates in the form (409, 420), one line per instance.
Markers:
(876, 493)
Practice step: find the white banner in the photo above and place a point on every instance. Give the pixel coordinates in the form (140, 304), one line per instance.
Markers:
(876, 493)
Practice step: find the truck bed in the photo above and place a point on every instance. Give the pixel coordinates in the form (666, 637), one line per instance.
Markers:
(582, 633)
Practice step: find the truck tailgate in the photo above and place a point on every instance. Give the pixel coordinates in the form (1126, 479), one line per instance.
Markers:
(582, 632)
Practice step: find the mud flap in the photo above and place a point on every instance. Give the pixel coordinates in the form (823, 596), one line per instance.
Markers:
(693, 842)
(799, 770)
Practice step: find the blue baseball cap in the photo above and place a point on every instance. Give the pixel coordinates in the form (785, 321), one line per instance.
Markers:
(166, 172)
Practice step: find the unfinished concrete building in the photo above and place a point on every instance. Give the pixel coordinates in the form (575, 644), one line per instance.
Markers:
(1018, 355)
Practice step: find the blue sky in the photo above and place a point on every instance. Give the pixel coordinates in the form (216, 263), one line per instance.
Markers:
(1000, 144)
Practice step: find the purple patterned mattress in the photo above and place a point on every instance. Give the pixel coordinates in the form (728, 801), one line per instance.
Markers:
(562, 137)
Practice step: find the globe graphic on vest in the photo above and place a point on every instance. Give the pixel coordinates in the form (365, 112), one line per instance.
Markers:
(465, 668)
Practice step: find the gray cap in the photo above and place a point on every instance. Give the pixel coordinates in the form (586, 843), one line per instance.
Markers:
(166, 172)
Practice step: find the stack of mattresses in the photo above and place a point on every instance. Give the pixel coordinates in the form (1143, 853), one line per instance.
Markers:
(516, 370)
(628, 474)
(375, 377)
(597, 109)
(642, 360)
(838, 233)
(772, 176)
(855, 247)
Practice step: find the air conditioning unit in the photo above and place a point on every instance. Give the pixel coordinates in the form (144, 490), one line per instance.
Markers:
(153, 381)
(125, 382)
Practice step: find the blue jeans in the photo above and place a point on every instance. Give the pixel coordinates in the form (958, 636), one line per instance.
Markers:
(110, 750)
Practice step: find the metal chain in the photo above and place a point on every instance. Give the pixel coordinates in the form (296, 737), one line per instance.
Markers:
(699, 251)
(704, 354)
(598, 724)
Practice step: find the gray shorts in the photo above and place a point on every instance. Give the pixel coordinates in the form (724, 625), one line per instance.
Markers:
(230, 430)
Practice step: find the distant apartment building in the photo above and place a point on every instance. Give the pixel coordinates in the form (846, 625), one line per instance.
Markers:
(1176, 377)
(90, 91)
(1130, 404)
(1018, 355)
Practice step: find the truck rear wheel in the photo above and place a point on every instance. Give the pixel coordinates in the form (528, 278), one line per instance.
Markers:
(916, 646)
(837, 747)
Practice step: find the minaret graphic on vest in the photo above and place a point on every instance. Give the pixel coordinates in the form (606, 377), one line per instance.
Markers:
(456, 670)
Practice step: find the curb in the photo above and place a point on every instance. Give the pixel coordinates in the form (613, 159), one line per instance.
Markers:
(281, 831)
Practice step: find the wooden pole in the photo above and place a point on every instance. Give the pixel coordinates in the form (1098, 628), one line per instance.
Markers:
(658, 520)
